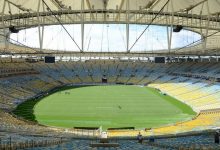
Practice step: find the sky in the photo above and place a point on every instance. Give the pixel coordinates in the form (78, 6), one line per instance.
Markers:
(105, 38)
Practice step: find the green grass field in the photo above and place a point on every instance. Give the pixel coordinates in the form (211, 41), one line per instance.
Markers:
(106, 106)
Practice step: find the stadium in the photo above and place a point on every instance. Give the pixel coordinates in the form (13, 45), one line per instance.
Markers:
(109, 74)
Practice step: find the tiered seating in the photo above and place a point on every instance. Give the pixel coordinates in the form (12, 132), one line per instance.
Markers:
(204, 141)
(85, 145)
(200, 141)
(199, 93)
(205, 120)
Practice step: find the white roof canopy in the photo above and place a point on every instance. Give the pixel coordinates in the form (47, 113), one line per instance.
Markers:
(198, 7)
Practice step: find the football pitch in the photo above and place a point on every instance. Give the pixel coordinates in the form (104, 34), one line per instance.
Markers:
(109, 106)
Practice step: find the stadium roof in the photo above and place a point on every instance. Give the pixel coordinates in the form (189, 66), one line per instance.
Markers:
(198, 7)
(201, 16)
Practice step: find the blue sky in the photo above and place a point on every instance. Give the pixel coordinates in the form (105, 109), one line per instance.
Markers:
(103, 37)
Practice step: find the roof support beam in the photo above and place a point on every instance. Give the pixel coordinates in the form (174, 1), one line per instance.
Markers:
(59, 4)
(181, 17)
(127, 25)
(18, 6)
(149, 7)
(3, 24)
(40, 28)
(82, 25)
(207, 24)
(170, 32)
(105, 4)
(153, 4)
(9, 8)
(90, 8)
(64, 12)
(194, 6)
(120, 8)
(150, 4)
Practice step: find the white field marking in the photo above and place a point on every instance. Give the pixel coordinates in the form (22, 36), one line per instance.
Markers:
(105, 107)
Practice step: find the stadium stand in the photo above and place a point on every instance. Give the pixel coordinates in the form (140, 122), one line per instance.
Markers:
(199, 141)
(201, 94)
